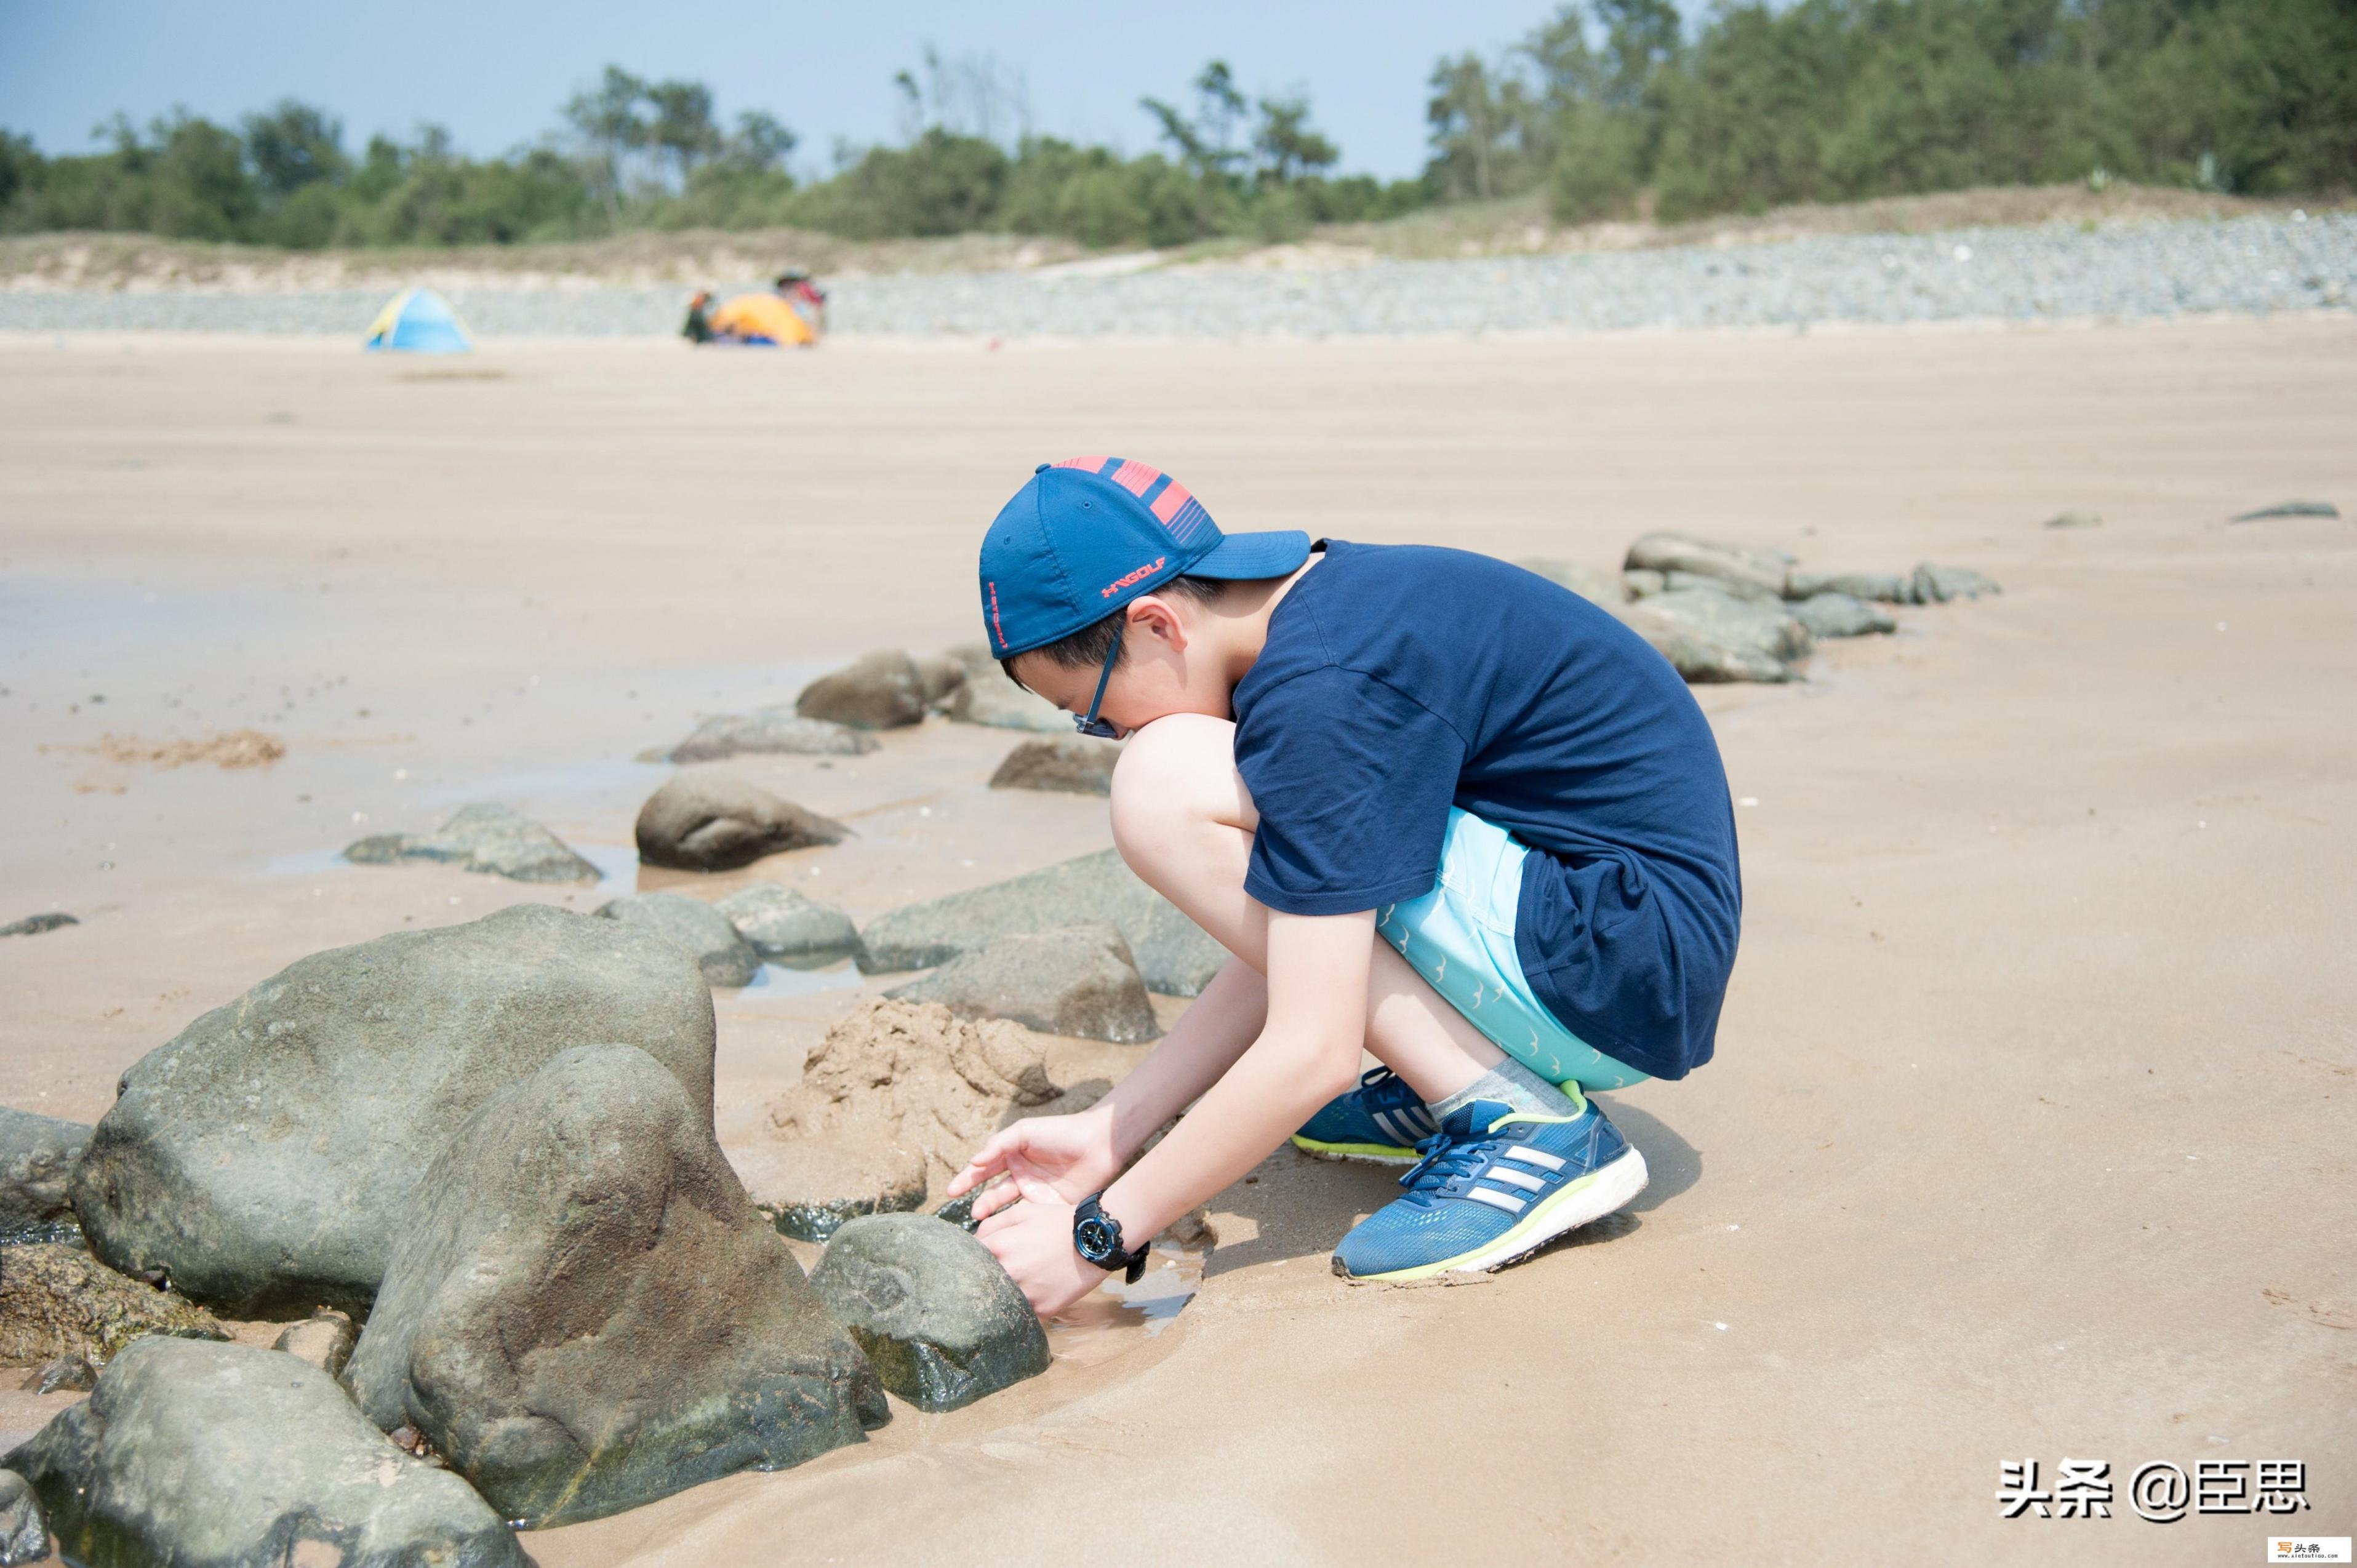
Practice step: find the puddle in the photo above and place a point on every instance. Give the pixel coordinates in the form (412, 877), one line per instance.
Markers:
(777, 982)
(1116, 1317)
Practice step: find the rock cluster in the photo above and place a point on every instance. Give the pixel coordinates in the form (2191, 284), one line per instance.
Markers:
(259, 1160)
(483, 837)
(702, 822)
(1077, 981)
(1720, 612)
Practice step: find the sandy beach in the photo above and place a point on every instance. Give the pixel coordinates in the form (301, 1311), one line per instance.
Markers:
(2032, 1133)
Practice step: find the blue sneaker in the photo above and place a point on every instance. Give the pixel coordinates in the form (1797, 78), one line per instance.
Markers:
(1381, 1121)
(1494, 1186)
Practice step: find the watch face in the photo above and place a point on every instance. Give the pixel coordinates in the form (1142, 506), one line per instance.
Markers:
(1097, 1239)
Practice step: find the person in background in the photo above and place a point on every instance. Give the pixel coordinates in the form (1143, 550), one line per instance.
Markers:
(698, 328)
(797, 288)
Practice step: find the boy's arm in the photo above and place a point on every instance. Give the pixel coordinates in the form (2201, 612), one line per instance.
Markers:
(1307, 1052)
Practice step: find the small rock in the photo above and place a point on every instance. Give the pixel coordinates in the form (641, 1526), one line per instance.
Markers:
(877, 690)
(1080, 981)
(939, 1318)
(785, 927)
(1172, 952)
(769, 731)
(2074, 519)
(37, 1156)
(1071, 765)
(1882, 587)
(24, 1534)
(34, 925)
(261, 1158)
(1587, 582)
(714, 822)
(725, 957)
(483, 837)
(1938, 585)
(941, 675)
(1839, 614)
(70, 1373)
(231, 1456)
(1750, 572)
(2289, 509)
(582, 1312)
(809, 1186)
(1712, 636)
(57, 1301)
(1642, 583)
(988, 697)
(1758, 594)
(324, 1340)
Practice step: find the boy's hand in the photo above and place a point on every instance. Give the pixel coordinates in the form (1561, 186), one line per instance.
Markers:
(1072, 1155)
(1032, 1240)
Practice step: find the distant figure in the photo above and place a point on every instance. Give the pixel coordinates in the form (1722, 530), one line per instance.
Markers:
(699, 325)
(797, 289)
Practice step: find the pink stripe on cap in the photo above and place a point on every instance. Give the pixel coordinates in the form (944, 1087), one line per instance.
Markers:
(1091, 464)
(1136, 477)
(1174, 495)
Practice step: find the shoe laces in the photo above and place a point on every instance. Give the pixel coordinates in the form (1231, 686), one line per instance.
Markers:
(1444, 1160)
(1381, 1086)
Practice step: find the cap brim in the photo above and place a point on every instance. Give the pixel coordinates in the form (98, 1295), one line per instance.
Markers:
(1245, 556)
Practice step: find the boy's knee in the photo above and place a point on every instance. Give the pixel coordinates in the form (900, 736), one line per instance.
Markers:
(1178, 769)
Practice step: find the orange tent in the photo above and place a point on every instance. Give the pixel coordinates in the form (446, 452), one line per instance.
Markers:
(762, 318)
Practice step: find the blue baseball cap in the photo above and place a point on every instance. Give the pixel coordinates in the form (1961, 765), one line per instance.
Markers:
(1085, 536)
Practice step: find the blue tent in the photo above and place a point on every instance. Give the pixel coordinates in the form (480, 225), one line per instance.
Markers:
(418, 321)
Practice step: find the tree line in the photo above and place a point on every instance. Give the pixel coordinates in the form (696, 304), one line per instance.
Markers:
(1608, 108)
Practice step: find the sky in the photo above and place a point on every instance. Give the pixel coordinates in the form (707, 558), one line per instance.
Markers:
(495, 71)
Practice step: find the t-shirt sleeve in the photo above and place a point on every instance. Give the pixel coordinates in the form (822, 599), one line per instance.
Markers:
(1353, 780)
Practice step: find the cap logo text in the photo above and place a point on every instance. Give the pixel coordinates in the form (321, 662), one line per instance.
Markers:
(1143, 573)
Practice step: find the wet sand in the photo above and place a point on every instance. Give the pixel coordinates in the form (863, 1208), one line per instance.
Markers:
(2030, 1130)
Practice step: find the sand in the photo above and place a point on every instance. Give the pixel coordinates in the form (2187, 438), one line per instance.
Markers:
(2030, 1130)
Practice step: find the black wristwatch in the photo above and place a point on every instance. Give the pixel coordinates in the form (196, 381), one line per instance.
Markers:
(1096, 1236)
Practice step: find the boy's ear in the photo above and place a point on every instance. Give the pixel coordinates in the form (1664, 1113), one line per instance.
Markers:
(1151, 616)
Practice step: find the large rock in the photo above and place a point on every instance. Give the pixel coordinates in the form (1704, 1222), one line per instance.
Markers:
(714, 822)
(260, 1158)
(1883, 587)
(769, 732)
(23, 1534)
(36, 1156)
(582, 1312)
(57, 1300)
(1711, 636)
(897, 1083)
(1172, 952)
(705, 934)
(1601, 587)
(877, 690)
(1069, 765)
(229, 1456)
(1839, 614)
(1937, 585)
(988, 697)
(1751, 573)
(785, 927)
(1079, 981)
(483, 837)
(34, 925)
(940, 1320)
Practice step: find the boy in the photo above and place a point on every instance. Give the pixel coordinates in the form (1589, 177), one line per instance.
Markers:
(1434, 806)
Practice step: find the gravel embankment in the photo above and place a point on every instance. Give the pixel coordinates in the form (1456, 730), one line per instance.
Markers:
(2124, 271)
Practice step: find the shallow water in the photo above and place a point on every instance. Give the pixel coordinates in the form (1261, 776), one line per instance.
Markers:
(1116, 1317)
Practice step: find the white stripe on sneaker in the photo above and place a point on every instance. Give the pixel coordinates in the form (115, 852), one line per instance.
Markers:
(1523, 1179)
(1506, 1201)
(1530, 1156)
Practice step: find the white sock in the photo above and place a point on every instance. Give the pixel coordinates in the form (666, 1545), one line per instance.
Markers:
(1512, 1083)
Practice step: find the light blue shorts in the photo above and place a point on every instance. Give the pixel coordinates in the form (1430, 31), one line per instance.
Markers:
(1460, 937)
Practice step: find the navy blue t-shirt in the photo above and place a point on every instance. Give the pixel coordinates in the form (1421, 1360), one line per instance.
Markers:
(1399, 679)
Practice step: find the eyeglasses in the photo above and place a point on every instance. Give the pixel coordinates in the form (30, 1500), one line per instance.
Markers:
(1089, 724)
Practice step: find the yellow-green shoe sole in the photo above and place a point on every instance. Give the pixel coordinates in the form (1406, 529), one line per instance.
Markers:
(1589, 1200)
(1365, 1154)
